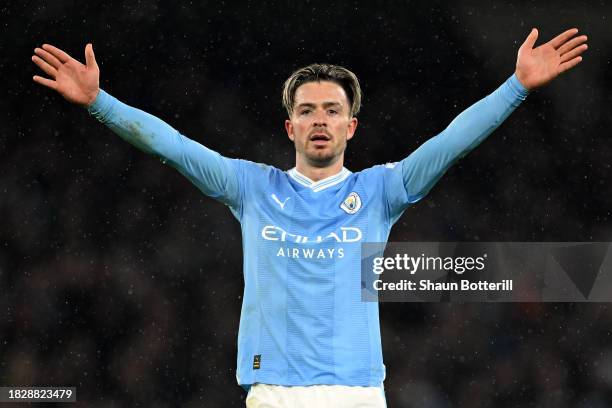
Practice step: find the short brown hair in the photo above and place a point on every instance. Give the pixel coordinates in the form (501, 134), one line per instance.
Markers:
(323, 72)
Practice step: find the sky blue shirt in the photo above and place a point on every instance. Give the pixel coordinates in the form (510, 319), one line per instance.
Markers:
(302, 320)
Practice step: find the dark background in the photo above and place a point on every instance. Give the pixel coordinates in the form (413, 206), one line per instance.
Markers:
(119, 277)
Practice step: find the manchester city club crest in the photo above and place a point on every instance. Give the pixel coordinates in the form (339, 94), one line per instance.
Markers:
(352, 203)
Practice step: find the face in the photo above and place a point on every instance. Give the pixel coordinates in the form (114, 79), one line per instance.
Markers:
(320, 124)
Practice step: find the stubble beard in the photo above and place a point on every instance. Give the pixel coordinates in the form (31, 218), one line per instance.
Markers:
(324, 157)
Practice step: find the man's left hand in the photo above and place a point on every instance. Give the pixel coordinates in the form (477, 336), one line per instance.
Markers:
(536, 67)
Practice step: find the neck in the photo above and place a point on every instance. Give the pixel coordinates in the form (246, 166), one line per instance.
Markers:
(316, 173)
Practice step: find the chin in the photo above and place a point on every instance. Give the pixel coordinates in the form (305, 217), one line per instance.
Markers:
(321, 159)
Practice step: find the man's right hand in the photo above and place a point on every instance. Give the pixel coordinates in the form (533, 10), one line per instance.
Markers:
(76, 82)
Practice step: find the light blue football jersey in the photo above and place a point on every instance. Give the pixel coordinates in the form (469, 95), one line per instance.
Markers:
(303, 321)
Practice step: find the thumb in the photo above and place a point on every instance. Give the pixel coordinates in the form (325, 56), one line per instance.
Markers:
(90, 58)
(531, 39)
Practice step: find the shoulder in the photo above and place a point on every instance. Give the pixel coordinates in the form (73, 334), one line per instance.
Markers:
(379, 170)
(255, 170)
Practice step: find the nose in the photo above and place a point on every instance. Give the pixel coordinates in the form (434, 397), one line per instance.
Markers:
(320, 119)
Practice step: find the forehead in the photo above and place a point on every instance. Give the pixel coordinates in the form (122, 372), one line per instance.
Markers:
(319, 92)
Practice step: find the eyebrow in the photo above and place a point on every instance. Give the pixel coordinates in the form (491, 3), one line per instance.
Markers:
(325, 104)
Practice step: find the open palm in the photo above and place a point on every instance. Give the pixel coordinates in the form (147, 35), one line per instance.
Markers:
(536, 67)
(76, 82)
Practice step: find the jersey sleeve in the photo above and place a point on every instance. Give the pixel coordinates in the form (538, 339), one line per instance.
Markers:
(412, 178)
(215, 175)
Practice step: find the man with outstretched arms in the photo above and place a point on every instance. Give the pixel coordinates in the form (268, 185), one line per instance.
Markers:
(306, 339)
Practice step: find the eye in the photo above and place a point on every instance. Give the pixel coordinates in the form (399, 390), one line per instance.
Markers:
(305, 112)
(333, 112)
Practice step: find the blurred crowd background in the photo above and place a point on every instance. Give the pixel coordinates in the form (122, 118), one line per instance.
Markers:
(119, 277)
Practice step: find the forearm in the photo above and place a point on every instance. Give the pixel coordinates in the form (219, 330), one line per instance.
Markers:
(478, 121)
(141, 129)
(424, 167)
(212, 173)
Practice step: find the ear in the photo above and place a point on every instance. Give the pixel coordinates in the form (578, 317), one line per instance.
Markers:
(289, 129)
(352, 127)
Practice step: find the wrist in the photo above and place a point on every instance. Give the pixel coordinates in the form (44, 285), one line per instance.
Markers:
(92, 99)
(101, 105)
(517, 88)
(521, 79)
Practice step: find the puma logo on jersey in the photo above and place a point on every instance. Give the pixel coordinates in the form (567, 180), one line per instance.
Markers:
(280, 203)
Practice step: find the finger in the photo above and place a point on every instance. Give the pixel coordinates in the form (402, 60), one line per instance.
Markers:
(42, 64)
(569, 64)
(571, 44)
(59, 54)
(46, 82)
(90, 58)
(49, 58)
(530, 40)
(574, 53)
(562, 38)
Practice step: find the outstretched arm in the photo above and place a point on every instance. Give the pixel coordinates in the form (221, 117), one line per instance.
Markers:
(535, 67)
(212, 173)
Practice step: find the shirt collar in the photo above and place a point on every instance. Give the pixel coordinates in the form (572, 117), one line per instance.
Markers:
(321, 184)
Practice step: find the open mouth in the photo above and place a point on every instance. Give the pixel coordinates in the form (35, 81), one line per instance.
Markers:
(319, 137)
